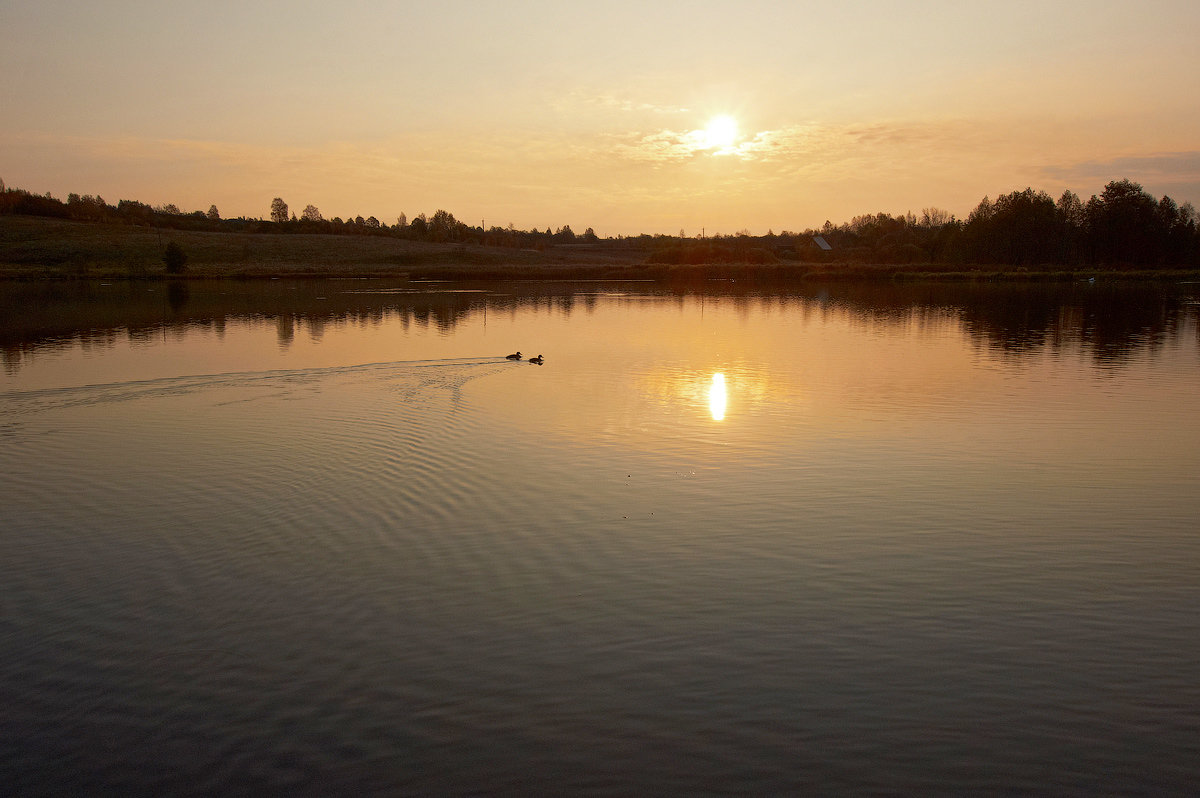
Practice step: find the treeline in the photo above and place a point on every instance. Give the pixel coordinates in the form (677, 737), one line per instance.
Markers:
(1124, 226)
(441, 227)
(88, 208)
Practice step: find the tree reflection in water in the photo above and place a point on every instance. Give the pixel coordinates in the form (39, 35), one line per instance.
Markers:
(1111, 320)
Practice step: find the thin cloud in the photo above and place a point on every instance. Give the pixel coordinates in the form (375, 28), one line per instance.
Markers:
(1169, 168)
(673, 146)
(821, 146)
(616, 102)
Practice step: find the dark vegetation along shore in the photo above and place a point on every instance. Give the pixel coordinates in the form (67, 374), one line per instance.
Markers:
(1022, 235)
(1112, 319)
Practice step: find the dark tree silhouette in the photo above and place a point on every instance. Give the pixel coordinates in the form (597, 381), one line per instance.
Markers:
(87, 207)
(175, 258)
(1019, 229)
(444, 227)
(419, 226)
(1124, 225)
(135, 212)
(279, 210)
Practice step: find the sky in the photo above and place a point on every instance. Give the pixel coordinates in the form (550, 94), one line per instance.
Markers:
(547, 113)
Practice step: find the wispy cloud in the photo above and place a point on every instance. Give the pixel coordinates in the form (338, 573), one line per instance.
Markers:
(816, 145)
(668, 146)
(1168, 168)
(612, 101)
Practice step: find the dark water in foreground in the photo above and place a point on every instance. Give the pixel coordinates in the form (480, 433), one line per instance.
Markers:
(322, 538)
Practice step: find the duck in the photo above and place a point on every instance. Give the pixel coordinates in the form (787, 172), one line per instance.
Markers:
(513, 356)
(537, 360)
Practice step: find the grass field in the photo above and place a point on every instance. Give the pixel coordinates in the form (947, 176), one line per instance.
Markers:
(40, 248)
(35, 247)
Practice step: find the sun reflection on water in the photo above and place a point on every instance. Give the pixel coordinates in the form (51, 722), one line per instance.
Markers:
(717, 398)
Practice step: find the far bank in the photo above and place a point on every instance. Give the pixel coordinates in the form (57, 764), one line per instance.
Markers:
(41, 248)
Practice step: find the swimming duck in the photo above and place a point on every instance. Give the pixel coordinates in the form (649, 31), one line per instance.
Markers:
(537, 360)
(514, 356)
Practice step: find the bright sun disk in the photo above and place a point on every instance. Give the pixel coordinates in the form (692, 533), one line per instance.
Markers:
(721, 131)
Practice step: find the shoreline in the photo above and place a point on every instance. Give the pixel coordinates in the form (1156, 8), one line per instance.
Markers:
(35, 248)
(692, 273)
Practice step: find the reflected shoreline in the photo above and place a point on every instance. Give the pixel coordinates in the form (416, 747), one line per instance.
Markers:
(1110, 320)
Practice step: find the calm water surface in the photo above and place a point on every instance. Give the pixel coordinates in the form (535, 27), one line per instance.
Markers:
(323, 538)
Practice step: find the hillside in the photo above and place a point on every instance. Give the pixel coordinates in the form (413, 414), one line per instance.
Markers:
(38, 247)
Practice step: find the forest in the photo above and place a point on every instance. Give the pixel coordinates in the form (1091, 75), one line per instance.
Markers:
(1124, 227)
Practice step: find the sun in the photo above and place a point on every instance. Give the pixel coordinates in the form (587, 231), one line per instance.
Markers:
(720, 132)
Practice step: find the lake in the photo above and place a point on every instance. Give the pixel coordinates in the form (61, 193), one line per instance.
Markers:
(323, 538)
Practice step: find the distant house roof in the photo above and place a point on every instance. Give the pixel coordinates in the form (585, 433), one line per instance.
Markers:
(822, 243)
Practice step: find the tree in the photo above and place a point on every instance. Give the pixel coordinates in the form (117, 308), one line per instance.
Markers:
(175, 258)
(86, 207)
(934, 217)
(443, 226)
(1018, 229)
(1072, 218)
(1187, 212)
(134, 211)
(401, 222)
(1071, 210)
(1175, 229)
(279, 210)
(1123, 222)
(982, 211)
(311, 214)
(213, 214)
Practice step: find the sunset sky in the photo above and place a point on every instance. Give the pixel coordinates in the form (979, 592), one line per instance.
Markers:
(543, 114)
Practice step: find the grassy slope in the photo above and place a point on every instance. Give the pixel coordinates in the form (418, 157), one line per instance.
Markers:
(36, 247)
(33, 247)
